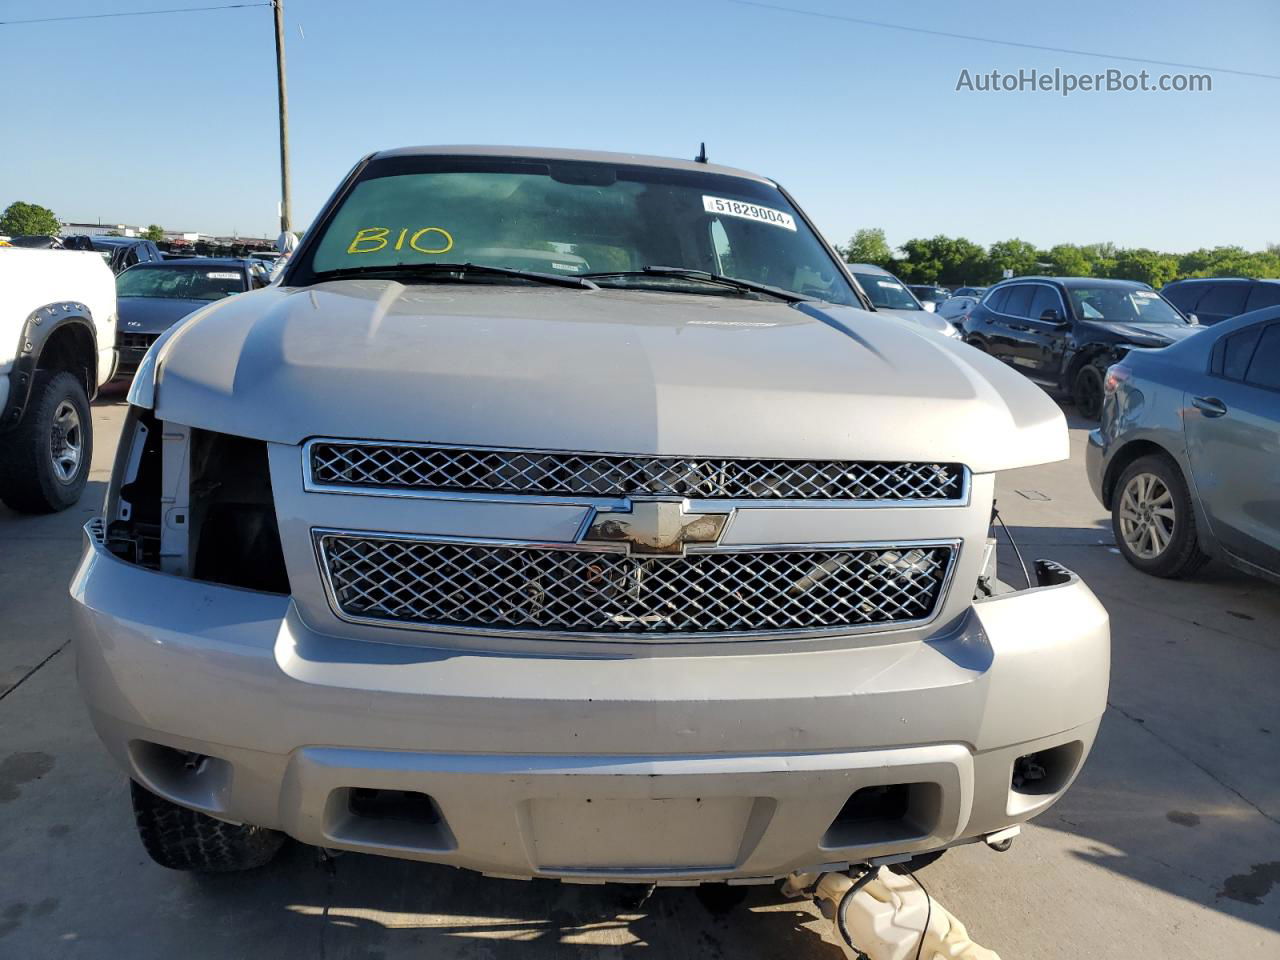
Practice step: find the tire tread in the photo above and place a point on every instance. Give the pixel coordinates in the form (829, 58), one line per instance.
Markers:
(183, 839)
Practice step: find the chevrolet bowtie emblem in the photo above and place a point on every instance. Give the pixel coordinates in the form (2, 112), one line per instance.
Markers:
(656, 528)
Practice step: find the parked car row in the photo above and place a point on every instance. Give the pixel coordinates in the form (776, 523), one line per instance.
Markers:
(1187, 457)
(1064, 332)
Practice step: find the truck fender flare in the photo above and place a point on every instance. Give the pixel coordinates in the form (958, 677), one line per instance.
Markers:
(41, 324)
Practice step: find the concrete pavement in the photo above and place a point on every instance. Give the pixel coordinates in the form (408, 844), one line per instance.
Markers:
(1168, 845)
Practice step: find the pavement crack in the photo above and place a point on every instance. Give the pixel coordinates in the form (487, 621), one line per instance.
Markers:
(30, 673)
(1191, 760)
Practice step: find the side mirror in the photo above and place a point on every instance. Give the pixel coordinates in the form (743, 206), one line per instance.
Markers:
(1193, 319)
(1053, 316)
(929, 305)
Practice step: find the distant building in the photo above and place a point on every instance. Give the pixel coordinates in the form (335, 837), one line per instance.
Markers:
(98, 229)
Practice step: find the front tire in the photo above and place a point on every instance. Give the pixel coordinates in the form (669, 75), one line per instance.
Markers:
(183, 839)
(1154, 520)
(1086, 391)
(44, 461)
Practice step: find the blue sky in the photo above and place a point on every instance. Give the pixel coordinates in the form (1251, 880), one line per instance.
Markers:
(171, 119)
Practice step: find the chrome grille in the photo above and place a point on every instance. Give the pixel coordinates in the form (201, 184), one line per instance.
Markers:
(498, 587)
(417, 467)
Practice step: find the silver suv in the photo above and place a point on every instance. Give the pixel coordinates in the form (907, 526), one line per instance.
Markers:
(568, 515)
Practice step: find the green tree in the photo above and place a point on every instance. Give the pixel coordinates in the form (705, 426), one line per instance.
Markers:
(1144, 266)
(22, 218)
(154, 233)
(1016, 255)
(869, 245)
(1067, 260)
(942, 259)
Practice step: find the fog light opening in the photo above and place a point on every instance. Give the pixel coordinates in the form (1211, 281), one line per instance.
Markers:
(183, 776)
(1046, 772)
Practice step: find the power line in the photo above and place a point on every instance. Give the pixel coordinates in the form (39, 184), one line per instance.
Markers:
(134, 13)
(1002, 43)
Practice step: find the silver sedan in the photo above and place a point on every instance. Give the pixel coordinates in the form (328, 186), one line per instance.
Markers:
(1187, 458)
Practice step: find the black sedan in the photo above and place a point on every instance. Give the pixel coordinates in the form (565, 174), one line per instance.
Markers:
(152, 297)
(1065, 331)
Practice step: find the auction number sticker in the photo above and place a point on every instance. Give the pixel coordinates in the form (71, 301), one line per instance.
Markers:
(222, 275)
(748, 211)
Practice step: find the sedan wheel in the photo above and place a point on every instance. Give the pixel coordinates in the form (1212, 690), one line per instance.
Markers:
(1147, 517)
(1154, 520)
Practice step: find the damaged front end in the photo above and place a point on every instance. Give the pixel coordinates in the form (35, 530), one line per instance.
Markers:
(194, 503)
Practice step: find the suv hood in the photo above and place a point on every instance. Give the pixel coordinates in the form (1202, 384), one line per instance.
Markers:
(607, 371)
(153, 314)
(925, 319)
(1145, 334)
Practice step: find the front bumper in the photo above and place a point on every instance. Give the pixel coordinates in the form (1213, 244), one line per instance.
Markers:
(602, 766)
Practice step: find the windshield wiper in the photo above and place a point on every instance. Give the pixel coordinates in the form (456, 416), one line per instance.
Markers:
(456, 271)
(703, 276)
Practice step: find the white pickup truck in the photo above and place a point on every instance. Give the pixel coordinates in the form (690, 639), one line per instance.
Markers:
(57, 346)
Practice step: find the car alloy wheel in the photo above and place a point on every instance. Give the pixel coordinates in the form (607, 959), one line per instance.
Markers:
(66, 442)
(1146, 514)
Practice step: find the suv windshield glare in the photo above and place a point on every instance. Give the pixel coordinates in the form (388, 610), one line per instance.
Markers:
(574, 219)
(1123, 306)
(886, 292)
(180, 283)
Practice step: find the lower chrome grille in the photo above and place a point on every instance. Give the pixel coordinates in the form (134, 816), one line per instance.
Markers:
(501, 587)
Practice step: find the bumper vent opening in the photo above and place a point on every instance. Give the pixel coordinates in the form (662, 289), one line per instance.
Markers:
(1046, 772)
(886, 813)
(394, 819)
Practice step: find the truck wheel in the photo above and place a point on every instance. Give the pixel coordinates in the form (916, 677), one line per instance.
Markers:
(183, 839)
(1086, 391)
(44, 461)
(1154, 521)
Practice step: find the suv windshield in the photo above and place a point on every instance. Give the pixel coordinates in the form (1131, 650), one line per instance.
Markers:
(886, 292)
(1123, 306)
(180, 283)
(572, 218)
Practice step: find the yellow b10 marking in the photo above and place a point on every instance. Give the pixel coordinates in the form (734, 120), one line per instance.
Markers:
(373, 239)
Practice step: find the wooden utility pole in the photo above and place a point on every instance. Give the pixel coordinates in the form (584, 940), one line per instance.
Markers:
(278, 9)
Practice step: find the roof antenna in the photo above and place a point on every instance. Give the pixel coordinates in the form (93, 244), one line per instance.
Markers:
(702, 154)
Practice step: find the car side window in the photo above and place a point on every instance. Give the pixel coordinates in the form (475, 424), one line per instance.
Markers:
(1264, 368)
(1263, 295)
(1185, 296)
(1226, 299)
(1045, 298)
(996, 300)
(1019, 302)
(1232, 354)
